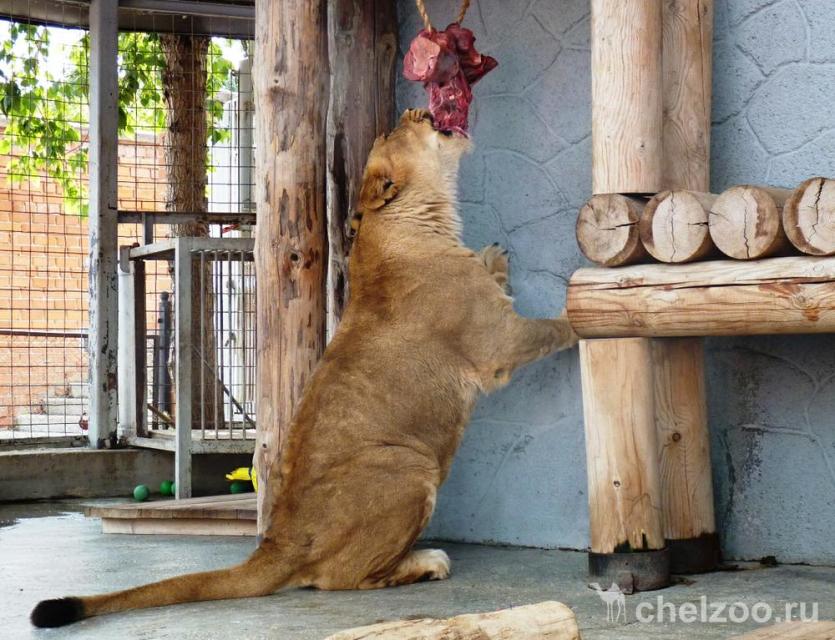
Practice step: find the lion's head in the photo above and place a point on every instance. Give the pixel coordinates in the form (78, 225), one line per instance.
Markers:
(415, 162)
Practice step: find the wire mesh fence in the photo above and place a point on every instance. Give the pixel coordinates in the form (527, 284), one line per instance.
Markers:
(184, 152)
(201, 355)
(43, 231)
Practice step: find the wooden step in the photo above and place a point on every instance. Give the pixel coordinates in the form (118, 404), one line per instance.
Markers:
(230, 515)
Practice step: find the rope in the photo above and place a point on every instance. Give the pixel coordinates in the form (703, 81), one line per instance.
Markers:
(465, 4)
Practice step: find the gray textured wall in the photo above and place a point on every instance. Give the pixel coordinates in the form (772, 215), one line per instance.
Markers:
(519, 477)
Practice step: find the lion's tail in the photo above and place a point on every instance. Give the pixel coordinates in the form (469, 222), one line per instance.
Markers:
(259, 575)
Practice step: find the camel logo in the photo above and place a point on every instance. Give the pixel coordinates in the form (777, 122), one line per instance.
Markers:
(612, 596)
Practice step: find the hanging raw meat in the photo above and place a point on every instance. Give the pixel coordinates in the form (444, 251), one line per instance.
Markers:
(447, 64)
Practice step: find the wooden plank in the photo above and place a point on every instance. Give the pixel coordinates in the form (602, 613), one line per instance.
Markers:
(183, 526)
(822, 630)
(217, 507)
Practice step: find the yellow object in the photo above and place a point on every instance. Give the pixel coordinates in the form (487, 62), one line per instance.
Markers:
(247, 474)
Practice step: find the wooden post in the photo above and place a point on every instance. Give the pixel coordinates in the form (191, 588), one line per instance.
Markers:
(291, 93)
(184, 337)
(746, 222)
(809, 217)
(622, 465)
(627, 541)
(687, 70)
(687, 62)
(674, 226)
(626, 96)
(102, 345)
(363, 50)
(684, 454)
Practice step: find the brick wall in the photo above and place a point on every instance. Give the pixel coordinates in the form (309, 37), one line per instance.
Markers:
(43, 275)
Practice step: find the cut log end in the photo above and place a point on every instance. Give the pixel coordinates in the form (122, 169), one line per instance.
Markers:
(674, 226)
(607, 230)
(745, 222)
(809, 217)
(543, 621)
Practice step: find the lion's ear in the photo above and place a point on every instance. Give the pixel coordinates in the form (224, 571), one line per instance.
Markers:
(378, 189)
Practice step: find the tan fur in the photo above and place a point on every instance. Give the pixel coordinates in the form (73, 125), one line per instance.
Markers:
(429, 327)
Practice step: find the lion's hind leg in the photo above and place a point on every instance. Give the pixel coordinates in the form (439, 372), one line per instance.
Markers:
(416, 566)
(496, 262)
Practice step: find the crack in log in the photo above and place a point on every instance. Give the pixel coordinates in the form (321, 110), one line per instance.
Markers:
(817, 209)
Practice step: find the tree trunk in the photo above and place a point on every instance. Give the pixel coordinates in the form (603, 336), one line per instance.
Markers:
(363, 49)
(291, 252)
(186, 159)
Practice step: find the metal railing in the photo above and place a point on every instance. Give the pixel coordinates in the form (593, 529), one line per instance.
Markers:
(188, 384)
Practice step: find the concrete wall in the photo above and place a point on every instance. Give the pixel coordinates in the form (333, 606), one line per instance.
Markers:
(519, 477)
(80, 472)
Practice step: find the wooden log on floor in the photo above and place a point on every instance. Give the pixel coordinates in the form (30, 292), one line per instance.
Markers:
(687, 512)
(746, 222)
(794, 294)
(542, 621)
(626, 96)
(291, 93)
(622, 462)
(809, 217)
(673, 227)
(822, 630)
(607, 230)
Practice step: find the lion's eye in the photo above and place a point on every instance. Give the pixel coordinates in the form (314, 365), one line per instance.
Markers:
(448, 134)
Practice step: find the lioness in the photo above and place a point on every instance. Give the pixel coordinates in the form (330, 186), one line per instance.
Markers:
(429, 327)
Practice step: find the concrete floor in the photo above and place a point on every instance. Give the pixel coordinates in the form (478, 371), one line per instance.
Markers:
(52, 550)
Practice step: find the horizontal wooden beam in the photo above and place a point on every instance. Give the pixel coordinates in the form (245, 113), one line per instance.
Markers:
(719, 298)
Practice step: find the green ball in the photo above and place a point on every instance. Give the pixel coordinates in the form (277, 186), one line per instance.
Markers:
(165, 488)
(173, 488)
(239, 487)
(141, 493)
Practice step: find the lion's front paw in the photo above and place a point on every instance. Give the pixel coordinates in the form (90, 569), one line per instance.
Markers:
(568, 337)
(416, 115)
(496, 261)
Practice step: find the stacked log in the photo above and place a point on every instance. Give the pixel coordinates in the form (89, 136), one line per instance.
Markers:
(809, 217)
(744, 222)
(674, 226)
(607, 230)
